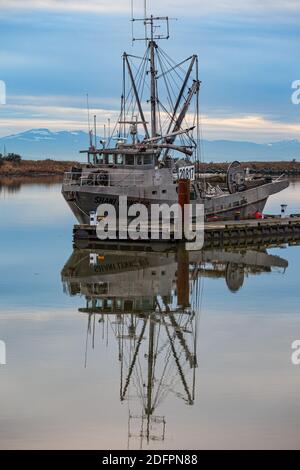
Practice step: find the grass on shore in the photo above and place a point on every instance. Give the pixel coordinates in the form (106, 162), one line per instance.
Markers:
(35, 167)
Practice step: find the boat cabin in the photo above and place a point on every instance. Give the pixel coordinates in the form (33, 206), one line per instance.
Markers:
(123, 158)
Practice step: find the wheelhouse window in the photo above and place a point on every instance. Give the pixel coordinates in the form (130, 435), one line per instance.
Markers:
(139, 160)
(147, 159)
(111, 159)
(120, 159)
(129, 159)
(128, 305)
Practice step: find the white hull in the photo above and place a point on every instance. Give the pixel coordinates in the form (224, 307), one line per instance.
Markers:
(83, 200)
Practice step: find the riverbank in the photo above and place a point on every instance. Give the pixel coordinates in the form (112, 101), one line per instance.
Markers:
(35, 168)
(291, 168)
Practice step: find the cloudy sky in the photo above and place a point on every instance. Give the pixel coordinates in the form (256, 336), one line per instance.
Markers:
(52, 52)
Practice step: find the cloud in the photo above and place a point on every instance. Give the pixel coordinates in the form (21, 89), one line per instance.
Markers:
(69, 113)
(61, 101)
(96, 6)
(13, 59)
(253, 128)
(256, 128)
(189, 7)
(56, 113)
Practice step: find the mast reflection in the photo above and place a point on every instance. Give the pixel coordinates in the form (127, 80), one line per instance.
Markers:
(151, 302)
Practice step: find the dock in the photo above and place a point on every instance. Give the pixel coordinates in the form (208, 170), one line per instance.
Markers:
(245, 232)
(218, 233)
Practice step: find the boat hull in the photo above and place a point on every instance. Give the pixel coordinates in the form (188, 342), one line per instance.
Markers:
(83, 200)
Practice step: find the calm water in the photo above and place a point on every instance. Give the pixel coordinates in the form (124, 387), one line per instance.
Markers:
(113, 349)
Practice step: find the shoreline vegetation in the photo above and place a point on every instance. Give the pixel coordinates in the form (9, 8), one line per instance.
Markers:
(291, 168)
(35, 168)
(45, 168)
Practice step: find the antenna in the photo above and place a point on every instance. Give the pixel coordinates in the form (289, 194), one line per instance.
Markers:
(89, 122)
(88, 111)
(108, 128)
(95, 130)
(145, 16)
(132, 19)
(155, 23)
(149, 21)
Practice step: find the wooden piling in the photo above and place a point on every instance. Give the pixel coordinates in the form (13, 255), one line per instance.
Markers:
(184, 187)
(183, 286)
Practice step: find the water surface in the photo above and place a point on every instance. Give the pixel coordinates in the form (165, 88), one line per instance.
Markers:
(113, 349)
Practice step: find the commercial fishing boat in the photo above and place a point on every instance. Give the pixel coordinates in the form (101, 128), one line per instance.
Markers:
(156, 142)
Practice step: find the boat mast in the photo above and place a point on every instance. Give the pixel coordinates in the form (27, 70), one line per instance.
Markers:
(188, 90)
(153, 98)
(149, 21)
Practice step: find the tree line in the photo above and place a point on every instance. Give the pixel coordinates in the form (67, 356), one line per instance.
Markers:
(10, 157)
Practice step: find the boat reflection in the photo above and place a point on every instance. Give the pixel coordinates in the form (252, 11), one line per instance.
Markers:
(151, 302)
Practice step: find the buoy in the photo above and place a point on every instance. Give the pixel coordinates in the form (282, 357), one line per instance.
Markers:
(93, 218)
(237, 215)
(283, 210)
(93, 259)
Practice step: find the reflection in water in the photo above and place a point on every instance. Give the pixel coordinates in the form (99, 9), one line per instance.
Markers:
(12, 185)
(151, 303)
(12, 188)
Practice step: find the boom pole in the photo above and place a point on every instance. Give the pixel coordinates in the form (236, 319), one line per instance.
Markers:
(136, 96)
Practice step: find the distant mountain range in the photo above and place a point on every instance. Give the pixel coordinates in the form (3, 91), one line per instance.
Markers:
(65, 145)
(42, 143)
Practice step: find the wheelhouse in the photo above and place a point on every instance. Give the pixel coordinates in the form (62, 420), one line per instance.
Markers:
(120, 158)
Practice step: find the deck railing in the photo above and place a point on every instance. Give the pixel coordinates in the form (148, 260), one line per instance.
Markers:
(115, 178)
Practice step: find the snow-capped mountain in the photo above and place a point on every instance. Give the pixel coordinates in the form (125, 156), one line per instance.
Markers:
(43, 143)
(65, 145)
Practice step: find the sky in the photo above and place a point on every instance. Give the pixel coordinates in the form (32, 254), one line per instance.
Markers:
(52, 52)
